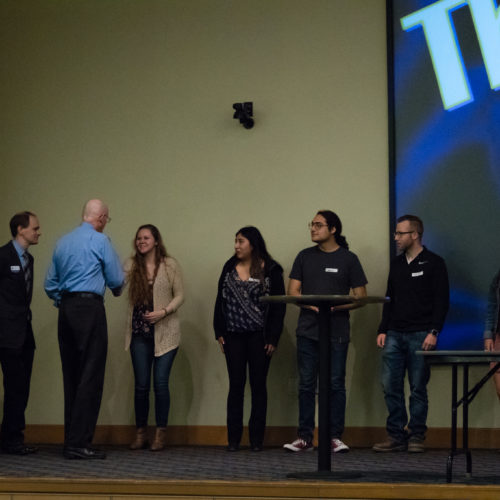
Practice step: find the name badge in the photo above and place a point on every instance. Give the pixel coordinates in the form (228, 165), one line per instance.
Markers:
(420, 273)
(331, 270)
(254, 279)
(15, 269)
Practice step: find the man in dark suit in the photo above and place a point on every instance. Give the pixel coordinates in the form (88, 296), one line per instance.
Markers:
(17, 344)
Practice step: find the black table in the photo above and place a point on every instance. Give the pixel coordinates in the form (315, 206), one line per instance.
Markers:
(464, 359)
(324, 304)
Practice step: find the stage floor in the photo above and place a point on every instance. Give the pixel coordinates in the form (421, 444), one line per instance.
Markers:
(190, 463)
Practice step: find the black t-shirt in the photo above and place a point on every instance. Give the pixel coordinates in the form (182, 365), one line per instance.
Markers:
(326, 273)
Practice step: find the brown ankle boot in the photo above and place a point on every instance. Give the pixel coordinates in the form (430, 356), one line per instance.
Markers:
(141, 439)
(159, 440)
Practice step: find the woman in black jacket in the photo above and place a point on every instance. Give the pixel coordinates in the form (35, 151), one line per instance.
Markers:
(248, 330)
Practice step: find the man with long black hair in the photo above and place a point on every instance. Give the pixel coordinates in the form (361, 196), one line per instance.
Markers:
(327, 268)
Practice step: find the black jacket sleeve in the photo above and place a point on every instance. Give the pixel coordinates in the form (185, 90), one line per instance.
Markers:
(219, 318)
(275, 313)
(441, 298)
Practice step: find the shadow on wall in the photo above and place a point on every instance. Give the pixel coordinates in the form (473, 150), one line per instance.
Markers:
(190, 363)
(364, 391)
(181, 387)
(282, 382)
(118, 387)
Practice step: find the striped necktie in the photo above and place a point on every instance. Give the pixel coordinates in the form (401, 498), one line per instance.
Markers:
(27, 272)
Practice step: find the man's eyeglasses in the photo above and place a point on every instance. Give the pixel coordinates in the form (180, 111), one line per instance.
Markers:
(316, 225)
(398, 234)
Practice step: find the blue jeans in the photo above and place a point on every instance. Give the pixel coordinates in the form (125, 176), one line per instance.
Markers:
(308, 363)
(143, 359)
(397, 357)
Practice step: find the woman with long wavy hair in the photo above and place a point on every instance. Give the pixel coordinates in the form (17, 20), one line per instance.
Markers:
(248, 330)
(153, 331)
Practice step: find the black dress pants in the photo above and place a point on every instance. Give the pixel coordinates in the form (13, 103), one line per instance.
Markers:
(242, 349)
(16, 366)
(83, 344)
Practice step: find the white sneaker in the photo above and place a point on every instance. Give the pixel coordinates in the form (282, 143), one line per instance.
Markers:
(299, 445)
(338, 446)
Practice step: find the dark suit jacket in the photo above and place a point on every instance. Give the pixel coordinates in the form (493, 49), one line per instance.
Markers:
(15, 313)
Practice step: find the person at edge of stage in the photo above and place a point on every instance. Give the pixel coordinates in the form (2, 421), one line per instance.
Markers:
(84, 263)
(153, 329)
(248, 330)
(492, 328)
(17, 343)
(418, 290)
(327, 268)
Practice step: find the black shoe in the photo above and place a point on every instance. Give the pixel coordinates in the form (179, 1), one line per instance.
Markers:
(233, 447)
(416, 445)
(20, 449)
(390, 444)
(256, 447)
(83, 453)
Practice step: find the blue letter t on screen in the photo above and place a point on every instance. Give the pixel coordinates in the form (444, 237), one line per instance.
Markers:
(444, 49)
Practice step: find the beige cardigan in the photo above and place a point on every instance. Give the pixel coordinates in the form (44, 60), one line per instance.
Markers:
(168, 292)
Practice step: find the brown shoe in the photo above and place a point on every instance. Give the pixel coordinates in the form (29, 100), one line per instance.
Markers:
(390, 445)
(159, 440)
(416, 445)
(141, 439)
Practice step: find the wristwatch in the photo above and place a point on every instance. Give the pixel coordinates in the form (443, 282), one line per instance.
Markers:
(434, 332)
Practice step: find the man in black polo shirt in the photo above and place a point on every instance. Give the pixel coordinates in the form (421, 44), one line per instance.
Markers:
(411, 321)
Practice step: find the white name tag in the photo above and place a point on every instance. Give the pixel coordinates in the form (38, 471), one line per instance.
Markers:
(253, 279)
(420, 273)
(15, 269)
(331, 270)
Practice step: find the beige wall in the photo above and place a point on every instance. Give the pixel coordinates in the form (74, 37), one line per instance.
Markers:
(131, 101)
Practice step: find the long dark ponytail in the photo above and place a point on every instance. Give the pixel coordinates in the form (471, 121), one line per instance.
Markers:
(333, 221)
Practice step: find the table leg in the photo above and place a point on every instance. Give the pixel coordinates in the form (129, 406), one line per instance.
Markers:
(324, 471)
(453, 450)
(324, 446)
(465, 424)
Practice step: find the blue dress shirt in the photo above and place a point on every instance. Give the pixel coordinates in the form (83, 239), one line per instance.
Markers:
(83, 261)
(20, 251)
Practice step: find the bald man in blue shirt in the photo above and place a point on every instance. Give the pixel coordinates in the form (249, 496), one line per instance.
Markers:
(84, 263)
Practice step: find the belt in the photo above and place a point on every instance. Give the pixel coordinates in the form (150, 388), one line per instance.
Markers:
(82, 295)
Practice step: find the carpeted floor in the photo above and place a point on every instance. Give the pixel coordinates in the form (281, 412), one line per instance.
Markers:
(272, 464)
